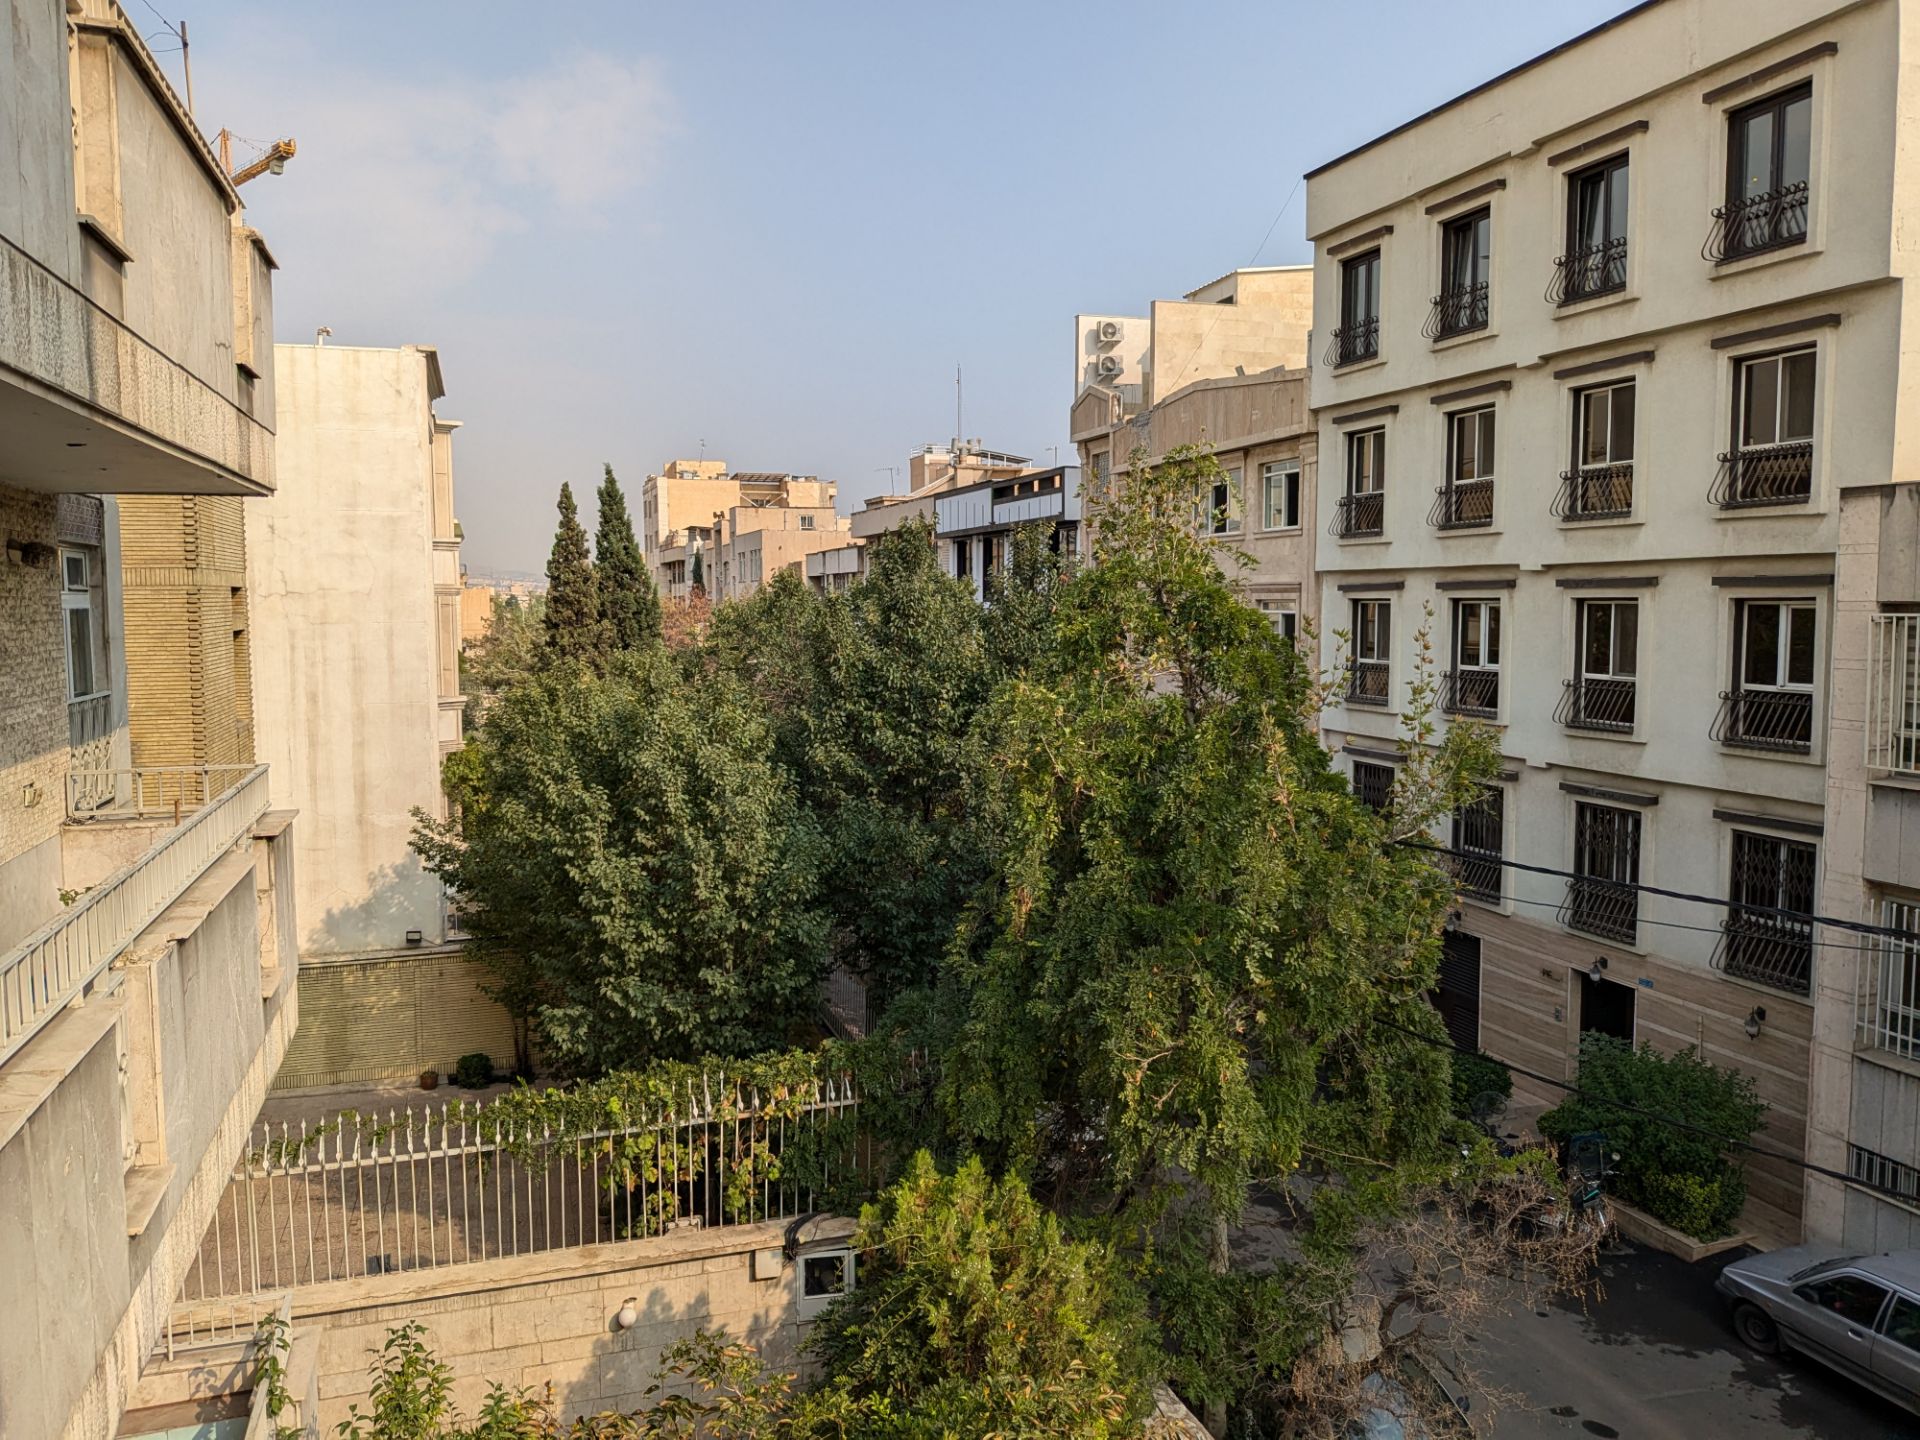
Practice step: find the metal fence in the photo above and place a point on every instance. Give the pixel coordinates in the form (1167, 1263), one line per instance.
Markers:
(56, 964)
(453, 1183)
(1893, 693)
(151, 792)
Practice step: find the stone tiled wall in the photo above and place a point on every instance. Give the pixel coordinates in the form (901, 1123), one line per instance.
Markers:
(33, 704)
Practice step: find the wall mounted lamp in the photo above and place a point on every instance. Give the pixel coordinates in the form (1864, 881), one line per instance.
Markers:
(1756, 1017)
(1598, 970)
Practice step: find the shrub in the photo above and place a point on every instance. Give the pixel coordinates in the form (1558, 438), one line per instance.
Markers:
(1476, 1075)
(471, 1072)
(1658, 1156)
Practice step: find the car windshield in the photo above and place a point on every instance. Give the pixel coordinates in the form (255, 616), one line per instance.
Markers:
(1822, 1267)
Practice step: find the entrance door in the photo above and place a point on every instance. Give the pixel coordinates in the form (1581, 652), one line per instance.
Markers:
(1607, 1007)
(1457, 997)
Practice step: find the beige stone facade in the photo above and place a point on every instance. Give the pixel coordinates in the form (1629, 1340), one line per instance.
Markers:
(742, 527)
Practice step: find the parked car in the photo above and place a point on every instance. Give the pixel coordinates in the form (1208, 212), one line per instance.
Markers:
(1418, 1405)
(1858, 1314)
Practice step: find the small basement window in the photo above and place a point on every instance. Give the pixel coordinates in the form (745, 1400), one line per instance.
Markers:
(825, 1276)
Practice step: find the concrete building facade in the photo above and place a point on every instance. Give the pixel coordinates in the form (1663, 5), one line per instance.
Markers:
(1609, 375)
(735, 529)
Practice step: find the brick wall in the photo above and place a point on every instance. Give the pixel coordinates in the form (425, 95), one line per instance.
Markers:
(33, 696)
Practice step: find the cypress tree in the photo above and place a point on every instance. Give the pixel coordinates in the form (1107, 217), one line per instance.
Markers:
(629, 605)
(573, 611)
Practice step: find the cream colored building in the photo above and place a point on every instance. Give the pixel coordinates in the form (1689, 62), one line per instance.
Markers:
(1609, 378)
(744, 527)
(1225, 368)
(147, 984)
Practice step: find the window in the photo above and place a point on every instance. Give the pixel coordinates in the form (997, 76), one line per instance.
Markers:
(1601, 695)
(1758, 943)
(1478, 838)
(1771, 462)
(1770, 706)
(1903, 1323)
(1595, 262)
(1284, 618)
(1362, 510)
(1466, 499)
(1472, 685)
(806, 522)
(77, 608)
(1280, 495)
(824, 1278)
(1890, 1012)
(1769, 162)
(1367, 681)
(1600, 482)
(1466, 262)
(1854, 1298)
(1222, 506)
(1373, 785)
(1883, 1172)
(962, 559)
(1358, 337)
(1601, 897)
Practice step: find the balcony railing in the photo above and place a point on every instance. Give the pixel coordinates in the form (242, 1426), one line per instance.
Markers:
(151, 793)
(1355, 342)
(1357, 515)
(89, 753)
(1893, 693)
(1367, 682)
(1767, 948)
(1605, 908)
(1774, 720)
(1588, 272)
(1889, 994)
(58, 963)
(1595, 492)
(1764, 475)
(1470, 691)
(54, 334)
(1457, 311)
(1763, 222)
(1462, 505)
(1590, 704)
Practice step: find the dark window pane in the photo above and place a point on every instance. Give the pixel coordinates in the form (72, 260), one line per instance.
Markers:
(1797, 416)
(1796, 142)
(1599, 640)
(1617, 201)
(1853, 1298)
(1903, 1323)
(1622, 417)
(1756, 155)
(1626, 639)
(1800, 646)
(1486, 443)
(1760, 653)
(1593, 427)
(1759, 412)
(80, 650)
(1493, 634)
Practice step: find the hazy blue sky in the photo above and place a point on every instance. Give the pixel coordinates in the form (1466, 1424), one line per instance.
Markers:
(778, 227)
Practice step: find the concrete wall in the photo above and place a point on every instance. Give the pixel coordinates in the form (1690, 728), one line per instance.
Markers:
(36, 136)
(33, 722)
(345, 626)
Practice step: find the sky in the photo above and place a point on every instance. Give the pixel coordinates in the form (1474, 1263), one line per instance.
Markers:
(773, 230)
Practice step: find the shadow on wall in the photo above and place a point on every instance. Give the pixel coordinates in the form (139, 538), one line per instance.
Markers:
(400, 897)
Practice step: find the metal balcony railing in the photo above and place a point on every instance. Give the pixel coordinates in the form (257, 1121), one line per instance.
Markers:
(1595, 492)
(1457, 311)
(1889, 979)
(1358, 515)
(152, 792)
(1597, 704)
(1762, 222)
(59, 962)
(1589, 272)
(1775, 720)
(1893, 693)
(89, 753)
(1605, 908)
(1355, 342)
(1367, 682)
(1470, 690)
(1462, 505)
(1757, 475)
(1767, 948)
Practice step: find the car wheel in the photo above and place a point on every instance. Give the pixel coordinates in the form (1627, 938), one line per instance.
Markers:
(1756, 1329)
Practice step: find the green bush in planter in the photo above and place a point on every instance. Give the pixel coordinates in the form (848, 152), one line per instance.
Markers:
(471, 1072)
(1720, 1104)
(1475, 1075)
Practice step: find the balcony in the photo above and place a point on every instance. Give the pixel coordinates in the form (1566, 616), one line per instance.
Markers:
(1888, 1001)
(1767, 221)
(1354, 343)
(1893, 693)
(61, 962)
(1757, 475)
(1597, 704)
(1768, 948)
(1471, 691)
(1595, 492)
(1778, 721)
(1458, 311)
(88, 405)
(1367, 682)
(1589, 272)
(1603, 908)
(1462, 505)
(1357, 516)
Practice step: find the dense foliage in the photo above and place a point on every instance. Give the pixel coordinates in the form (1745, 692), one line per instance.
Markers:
(510, 651)
(1686, 1173)
(572, 617)
(629, 603)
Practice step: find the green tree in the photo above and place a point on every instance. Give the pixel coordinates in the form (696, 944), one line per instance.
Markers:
(573, 626)
(506, 655)
(633, 868)
(629, 603)
(1021, 597)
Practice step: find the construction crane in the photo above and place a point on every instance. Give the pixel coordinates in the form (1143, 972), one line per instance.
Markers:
(271, 162)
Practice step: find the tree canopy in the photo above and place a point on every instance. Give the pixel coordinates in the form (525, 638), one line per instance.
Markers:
(629, 603)
(573, 626)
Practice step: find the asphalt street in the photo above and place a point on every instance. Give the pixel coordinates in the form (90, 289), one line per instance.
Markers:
(1652, 1358)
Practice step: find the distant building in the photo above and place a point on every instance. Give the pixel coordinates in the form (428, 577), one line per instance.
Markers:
(974, 525)
(735, 529)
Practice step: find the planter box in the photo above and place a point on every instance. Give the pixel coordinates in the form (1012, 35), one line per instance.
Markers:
(1643, 1229)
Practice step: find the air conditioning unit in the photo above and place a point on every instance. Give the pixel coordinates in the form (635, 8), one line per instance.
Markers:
(1110, 366)
(1108, 332)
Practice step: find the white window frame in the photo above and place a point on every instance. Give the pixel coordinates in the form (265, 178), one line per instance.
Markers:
(1283, 616)
(1783, 644)
(1281, 471)
(79, 599)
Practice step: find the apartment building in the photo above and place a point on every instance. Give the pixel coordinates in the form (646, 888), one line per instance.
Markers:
(147, 988)
(1224, 367)
(731, 531)
(1613, 398)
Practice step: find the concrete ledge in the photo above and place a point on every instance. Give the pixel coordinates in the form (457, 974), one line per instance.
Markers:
(1643, 1229)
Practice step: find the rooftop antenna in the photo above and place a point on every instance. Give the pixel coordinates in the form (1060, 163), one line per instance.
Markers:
(893, 475)
(703, 448)
(959, 410)
(320, 335)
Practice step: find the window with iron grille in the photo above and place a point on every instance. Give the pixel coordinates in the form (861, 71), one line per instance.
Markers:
(1602, 898)
(1358, 337)
(1599, 484)
(1478, 838)
(1770, 706)
(1890, 998)
(1362, 509)
(1883, 1172)
(1471, 685)
(1758, 942)
(1466, 498)
(1596, 259)
(1466, 273)
(1771, 462)
(1769, 167)
(1603, 694)
(1373, 785)
(1368, 679)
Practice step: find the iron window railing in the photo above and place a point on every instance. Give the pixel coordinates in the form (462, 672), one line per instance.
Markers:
(1753, 475)
(1602, 895)
(1759, 223)
(1893, 693)
(1768, 950)
(1470, 690)
(1889, 995)
(1595, 492)
(1597, 704)
(1373, 785)
(1588, 272)
(1357, 515)
(1367, 682)
(1478, 839)
(1457, 311)
(1462, 505)
(1776, 720)
(1355, 342)
(1883, 1172)
(1766, 937)
(1605, 908)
